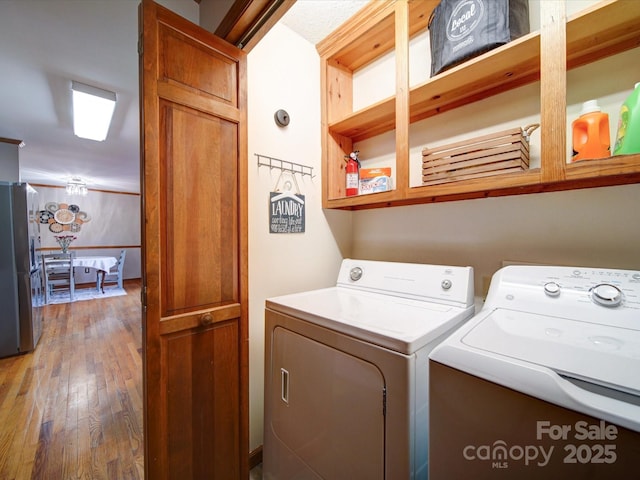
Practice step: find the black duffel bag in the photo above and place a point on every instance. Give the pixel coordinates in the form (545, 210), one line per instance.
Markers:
(462, 29)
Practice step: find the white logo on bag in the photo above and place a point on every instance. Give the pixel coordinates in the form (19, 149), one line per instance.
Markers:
(464, 19)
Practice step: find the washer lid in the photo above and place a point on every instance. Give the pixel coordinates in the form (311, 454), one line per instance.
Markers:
(400, 324)
(595, 353)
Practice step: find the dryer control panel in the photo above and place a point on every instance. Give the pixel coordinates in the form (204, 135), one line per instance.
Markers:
(452, 285)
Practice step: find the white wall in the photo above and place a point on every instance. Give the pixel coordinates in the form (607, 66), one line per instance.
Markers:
(591, 227)
(114, 223)
(184, 8)
(284, 73)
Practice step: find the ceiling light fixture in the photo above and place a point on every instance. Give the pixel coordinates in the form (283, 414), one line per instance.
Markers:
(92, 111)
(75, 186)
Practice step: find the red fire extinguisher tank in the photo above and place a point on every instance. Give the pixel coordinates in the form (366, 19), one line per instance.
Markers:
(353, 173)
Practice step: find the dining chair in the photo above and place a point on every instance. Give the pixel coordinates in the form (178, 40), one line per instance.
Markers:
(114, 275)
(58, 274)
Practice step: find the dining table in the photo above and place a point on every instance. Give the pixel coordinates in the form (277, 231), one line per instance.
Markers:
(100, 263)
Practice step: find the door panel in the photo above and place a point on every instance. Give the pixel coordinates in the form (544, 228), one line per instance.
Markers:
(197, 67)
(193, 108)
(198, 368)
(326, 409)
(201, 237)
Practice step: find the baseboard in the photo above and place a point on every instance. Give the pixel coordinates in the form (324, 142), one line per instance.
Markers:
(126, 281)
(255, 457)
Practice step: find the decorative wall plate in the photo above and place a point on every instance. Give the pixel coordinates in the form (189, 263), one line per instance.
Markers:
(44, 216)
(64, 216)
(84, 216)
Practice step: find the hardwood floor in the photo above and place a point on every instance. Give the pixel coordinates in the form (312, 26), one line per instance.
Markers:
(73, 408)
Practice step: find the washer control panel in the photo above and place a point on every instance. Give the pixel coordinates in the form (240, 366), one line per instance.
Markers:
(567, 291)
(604, 287)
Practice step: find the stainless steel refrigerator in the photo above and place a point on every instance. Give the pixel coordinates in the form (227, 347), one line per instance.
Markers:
(21, 298)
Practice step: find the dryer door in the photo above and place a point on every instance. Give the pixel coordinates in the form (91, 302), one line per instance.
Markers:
(327, 410)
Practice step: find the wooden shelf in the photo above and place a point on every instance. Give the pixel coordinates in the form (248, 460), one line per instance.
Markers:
(369, 122)
(500, 70)
(624, 165)
(497, 71)
(370, 33)
(605, 29)
(620, 170)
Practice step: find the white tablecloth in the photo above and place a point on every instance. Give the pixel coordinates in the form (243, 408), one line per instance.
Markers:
(97, 262)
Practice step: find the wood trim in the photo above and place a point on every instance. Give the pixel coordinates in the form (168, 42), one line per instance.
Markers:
(91, 247)
(402, 94)
(12, 141)
(254, 17)
(128, 282)
(149, 171)
(243, 240)
(255, 457)
(553, 87)
(240, 16)
(192, 319)
(90, 189)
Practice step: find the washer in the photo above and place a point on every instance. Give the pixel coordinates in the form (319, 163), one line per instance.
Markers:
(544, 382)
(346, 370)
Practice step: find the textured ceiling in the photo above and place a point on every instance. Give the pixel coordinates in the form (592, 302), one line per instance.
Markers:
(315, 19)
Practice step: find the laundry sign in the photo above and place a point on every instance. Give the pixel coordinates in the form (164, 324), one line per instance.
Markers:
(286, 212)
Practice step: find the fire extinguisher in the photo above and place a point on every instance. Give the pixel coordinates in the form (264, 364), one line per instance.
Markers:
(353, 173)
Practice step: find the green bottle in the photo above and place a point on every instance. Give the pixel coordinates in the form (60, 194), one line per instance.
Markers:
(628, 136)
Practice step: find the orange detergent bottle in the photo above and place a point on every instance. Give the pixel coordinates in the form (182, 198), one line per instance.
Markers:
(591, 138)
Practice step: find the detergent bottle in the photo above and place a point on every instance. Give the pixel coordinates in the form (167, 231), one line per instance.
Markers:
(628, 135)
(591, 138)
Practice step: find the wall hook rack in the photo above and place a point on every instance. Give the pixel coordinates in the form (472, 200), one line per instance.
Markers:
(285, 166)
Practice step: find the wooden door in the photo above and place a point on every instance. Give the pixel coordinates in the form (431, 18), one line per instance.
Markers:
(193, 114)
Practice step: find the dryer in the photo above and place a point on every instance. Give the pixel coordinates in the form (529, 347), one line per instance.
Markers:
(544, 382)
(346, 370)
